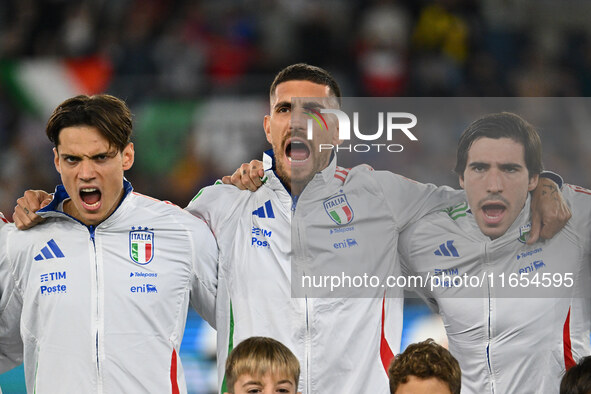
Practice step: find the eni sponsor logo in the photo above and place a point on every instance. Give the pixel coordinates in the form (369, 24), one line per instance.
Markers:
(145, 288)
(536, 265)
(347, 243)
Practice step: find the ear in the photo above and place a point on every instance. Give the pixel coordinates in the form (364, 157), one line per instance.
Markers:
(267, 127)
(335, 136)
(533, 182)
(56, 160)
(461, 181)
(128, 156)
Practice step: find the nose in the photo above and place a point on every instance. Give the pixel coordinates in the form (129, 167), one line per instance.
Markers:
(297, 120)
(494, 181)
(86, 170)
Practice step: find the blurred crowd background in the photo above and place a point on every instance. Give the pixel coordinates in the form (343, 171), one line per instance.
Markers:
(196, 76)
(196, 73)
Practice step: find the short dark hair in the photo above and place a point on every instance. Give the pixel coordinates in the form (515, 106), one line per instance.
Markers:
(258, 356)
(577, 380)
(306, 72)
(108, 114)
(425, 360)
(502, 125)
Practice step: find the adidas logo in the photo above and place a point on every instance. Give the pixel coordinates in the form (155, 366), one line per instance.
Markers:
(46, 252)
(447, 249)
(265, 211)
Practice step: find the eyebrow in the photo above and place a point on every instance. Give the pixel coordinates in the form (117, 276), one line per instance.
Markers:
(478, 164)
(282, 104)
(307, 104)
(502, 165)
(313, 105)
(109, 154)
(260, 384)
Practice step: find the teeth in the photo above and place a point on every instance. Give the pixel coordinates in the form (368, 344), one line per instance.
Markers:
(295, 161)
(93, 205)
(89, 190)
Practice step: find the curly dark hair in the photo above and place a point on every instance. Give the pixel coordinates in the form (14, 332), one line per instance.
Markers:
(424, 360)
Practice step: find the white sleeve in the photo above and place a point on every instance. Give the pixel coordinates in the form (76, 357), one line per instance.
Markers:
(579, 200)
(409, 267)
(410, 200)
(205, 271)
(11, 302)
(214, 205)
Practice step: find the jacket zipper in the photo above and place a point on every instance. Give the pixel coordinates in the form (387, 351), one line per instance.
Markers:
(307, 351)
(489, 325)
(92, 230)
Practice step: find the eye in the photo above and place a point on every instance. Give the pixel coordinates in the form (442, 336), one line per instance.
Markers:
(283, 109)
(71, 159)
(103, 157)
(313, 108)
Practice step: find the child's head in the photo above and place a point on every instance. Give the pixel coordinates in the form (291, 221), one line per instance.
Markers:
(425, 367)
(262, 363)
(577, 380)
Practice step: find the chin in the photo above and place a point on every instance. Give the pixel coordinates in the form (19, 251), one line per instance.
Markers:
(301, 178)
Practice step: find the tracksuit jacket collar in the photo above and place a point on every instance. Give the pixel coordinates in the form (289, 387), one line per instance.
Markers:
(325, 176)
(55, 207)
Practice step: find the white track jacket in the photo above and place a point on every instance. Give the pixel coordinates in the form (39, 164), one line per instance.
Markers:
(343, 217)
(11, 346)
(514, 323)
(104, 308)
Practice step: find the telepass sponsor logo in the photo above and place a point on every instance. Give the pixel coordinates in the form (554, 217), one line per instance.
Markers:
(339, 210)
(141, 245)
(523, 255)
